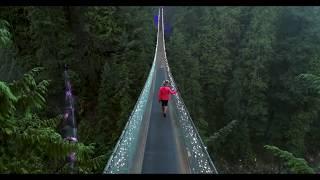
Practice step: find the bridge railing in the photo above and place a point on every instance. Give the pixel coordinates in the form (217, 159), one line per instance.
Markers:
(123, 159)
(198, 157)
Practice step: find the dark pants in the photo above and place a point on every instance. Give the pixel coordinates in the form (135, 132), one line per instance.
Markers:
(164, 102)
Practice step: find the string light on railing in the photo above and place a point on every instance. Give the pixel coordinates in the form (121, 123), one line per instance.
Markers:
(130, 132)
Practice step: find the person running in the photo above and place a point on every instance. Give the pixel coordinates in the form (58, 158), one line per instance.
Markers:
(164, 96)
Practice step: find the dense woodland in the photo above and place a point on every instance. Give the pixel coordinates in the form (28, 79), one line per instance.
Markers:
(259, 67)
(250, 77)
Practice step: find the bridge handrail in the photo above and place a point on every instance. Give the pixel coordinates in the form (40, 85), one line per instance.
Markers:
(122, 164)
(203, 168)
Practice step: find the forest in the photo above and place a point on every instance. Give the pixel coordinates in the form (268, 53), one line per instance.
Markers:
(250, 78)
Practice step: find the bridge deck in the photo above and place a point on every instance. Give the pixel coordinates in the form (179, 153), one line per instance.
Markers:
(161, 152)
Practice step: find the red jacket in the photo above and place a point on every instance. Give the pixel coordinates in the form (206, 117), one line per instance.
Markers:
(164, 93)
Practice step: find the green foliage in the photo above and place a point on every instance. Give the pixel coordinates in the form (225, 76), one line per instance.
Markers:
(5, 35)
(29, 92)
(229, 63)
(295, 165)
(124, 71)
(96, 163)
(7, 100)
(28, 133)
(218, 138)
(246, 61)
(85, 38)
(313, 81)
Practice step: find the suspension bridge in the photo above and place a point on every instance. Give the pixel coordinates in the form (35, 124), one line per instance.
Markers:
(151, 143)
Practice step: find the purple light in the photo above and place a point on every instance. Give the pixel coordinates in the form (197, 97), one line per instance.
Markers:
(68, 94)
(66, 115)
(71, 139)
(156, 21)
(73, 156)
(69, 117)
